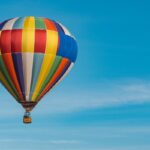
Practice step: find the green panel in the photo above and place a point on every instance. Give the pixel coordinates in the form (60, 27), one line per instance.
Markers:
(39, 23)
(4, 82)
(55, 65)
(5, 73)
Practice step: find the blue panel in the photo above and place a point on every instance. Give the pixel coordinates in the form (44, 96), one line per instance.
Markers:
(3, 23)
(38, 60)
(17, 60)
(19, 23)
(67, 47)
(59, 28)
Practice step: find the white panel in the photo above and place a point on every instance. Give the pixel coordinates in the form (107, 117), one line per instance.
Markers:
(66, 30)
(27, 59)
(9, 24)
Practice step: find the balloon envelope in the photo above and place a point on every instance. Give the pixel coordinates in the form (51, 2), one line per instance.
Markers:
(35, 54)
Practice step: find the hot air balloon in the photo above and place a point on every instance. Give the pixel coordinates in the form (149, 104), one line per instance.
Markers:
(36, 53)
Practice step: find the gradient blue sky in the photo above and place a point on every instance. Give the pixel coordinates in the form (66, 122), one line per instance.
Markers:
(104, 103)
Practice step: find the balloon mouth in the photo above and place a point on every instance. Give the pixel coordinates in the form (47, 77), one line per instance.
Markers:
(27, 118)
(28, 106)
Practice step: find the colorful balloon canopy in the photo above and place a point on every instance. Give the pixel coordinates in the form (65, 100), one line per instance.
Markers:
(35, 54)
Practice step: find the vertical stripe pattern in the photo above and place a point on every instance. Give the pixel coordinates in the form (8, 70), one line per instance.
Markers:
(35, 55)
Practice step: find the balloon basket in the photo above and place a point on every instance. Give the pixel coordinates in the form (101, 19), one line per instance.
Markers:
(27, 118)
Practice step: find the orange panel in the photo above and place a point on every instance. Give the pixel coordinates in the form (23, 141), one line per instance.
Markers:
(50, 24)
(7, 58)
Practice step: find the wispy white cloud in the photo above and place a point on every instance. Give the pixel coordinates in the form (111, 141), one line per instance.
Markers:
(107, 94)
(62, 141)
(110, 93)
(104, 137)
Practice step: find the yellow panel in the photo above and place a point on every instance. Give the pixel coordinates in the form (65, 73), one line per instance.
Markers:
(50, 53)
(5, 83)
(28, 35)
(29, 23)
(51, 42)
(46, 66)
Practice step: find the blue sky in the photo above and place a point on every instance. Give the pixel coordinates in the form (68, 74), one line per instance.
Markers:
(104, 102)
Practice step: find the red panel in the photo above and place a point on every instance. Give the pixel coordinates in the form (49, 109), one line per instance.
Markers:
(5, 41)
(16, 40)
(50, 24)
(40, 41)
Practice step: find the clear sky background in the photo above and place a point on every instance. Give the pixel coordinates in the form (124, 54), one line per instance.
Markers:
(104, 102)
